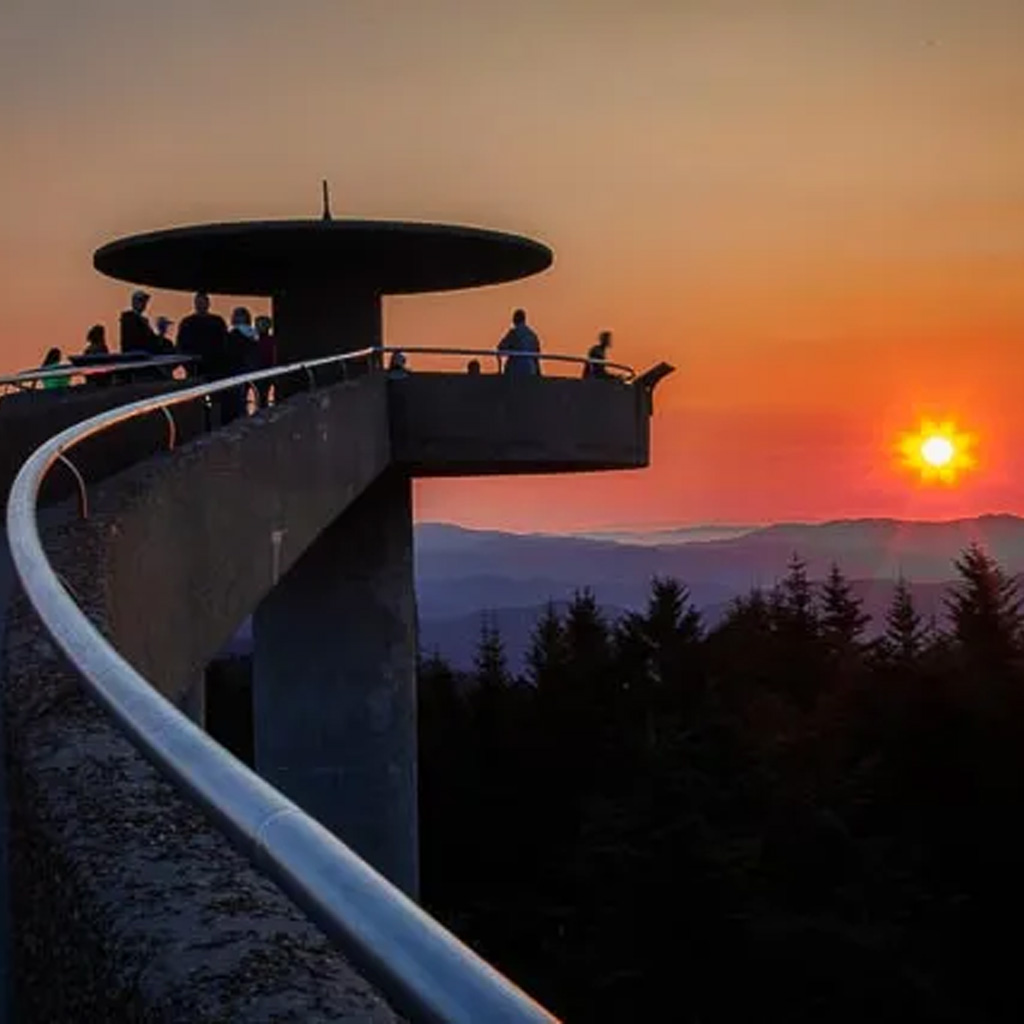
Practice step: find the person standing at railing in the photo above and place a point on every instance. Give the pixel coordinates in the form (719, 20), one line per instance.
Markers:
(203, 335)
(136, 334)
(164, 346)
(266, 357)
(96, 345)
(520, 343)
(397, 368)
(376, 357)
(239, 357)
(96, 341)
(51, 361)
(599, 351)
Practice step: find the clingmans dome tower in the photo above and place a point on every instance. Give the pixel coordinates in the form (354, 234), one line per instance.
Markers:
(334, 655)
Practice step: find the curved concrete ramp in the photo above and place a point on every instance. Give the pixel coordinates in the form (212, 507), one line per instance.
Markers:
(302, 516)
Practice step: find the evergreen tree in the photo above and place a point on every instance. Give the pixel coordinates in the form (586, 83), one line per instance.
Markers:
(752, 613)
(795, 599)
(672, 627)
(740, 651)
(985, 609)
(586, 636)
(906, 633)
(843, 618)
(657, 655)
(592, 695)
(799, 667)
(437, 681)
(490, 662)
(547, 656)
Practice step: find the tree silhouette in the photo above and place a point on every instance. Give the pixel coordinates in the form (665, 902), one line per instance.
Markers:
(906, 632)
(586, 634)
(795, 600)
(985, 610)
(843, 619)
(673, 629)
(490, 661)
(799, 664)
(548, 656)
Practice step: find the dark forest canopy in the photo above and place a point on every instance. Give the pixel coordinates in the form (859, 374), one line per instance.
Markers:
(778, 819)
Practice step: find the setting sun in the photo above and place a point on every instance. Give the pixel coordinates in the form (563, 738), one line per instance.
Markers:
(938, 451)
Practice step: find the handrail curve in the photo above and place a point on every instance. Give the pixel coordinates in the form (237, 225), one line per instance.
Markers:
(423, 969)
(628, 373)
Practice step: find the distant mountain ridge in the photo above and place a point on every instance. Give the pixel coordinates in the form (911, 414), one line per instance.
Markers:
(508, 570)
(460, 572)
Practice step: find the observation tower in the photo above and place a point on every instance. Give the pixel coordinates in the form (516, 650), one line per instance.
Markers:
(304, 520)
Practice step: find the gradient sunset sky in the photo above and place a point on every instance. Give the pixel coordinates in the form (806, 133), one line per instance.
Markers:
(814, 209)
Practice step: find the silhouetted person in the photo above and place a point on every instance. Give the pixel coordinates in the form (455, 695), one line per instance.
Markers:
(375, 361)
(598, 351)
(96, 345)
(164, 344)
(473, 368)
(266, 357)
(239, 357)
(396, 366)
(136, 334)
(521, 339)
(52, 360)
(96, 341)
(203, 334)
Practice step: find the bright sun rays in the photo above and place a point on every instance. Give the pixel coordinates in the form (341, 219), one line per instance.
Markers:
(938, 452)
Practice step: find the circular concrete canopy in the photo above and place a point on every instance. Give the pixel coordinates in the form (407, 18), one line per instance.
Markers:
(268, 257)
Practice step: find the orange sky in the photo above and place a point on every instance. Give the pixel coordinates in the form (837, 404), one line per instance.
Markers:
(814, 209)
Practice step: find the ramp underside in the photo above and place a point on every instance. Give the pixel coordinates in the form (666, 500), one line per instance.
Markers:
(196, 538)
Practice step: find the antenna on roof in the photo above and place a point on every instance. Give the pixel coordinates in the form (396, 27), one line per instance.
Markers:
(327, 201)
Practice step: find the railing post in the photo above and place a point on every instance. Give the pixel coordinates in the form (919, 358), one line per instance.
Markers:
(83, 497)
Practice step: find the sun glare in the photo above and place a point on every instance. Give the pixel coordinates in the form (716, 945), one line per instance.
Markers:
(938, 452)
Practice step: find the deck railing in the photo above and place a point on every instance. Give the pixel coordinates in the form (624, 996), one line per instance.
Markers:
(28, 379)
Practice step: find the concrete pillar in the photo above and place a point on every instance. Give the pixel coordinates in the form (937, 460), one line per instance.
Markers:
(193, 701)
(334, 681)
(316, 320)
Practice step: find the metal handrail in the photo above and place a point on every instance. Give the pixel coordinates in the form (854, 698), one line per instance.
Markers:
(65, 370)
(423, 969)
(628, 373)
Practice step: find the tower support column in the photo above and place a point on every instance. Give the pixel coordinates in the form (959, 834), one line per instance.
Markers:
(314, 320)
(334, 681)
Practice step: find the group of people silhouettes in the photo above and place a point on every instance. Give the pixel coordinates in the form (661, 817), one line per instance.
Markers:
(218, 349)
(521, 348)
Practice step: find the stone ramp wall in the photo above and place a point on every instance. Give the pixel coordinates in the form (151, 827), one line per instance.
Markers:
(128, 905)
